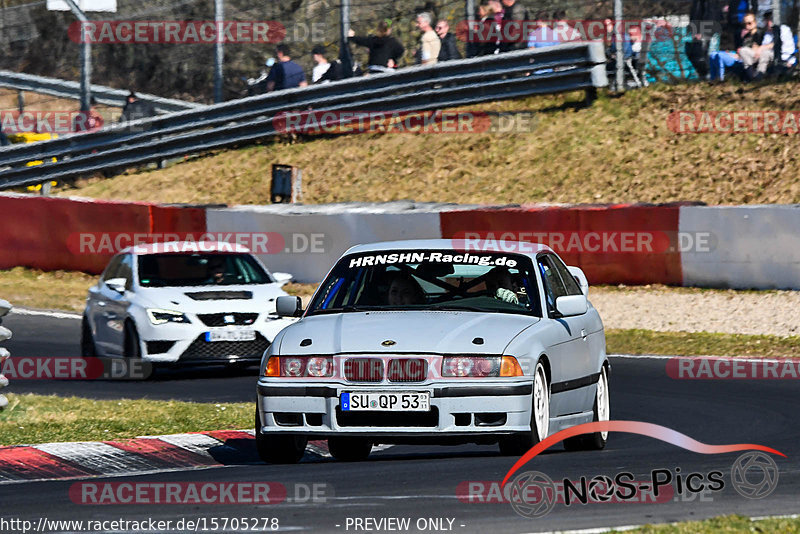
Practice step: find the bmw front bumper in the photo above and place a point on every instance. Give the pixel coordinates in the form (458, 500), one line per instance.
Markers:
(458, 408)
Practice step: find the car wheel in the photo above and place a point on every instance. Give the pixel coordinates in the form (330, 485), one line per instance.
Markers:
(279, 449)
(349, 449)
(519, 444)
(602, 411)
(88, 348)
(132, 347)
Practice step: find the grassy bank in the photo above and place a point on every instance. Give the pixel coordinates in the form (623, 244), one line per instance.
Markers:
(41, 419)
(729, 524)
(634, 341)
(618, 150)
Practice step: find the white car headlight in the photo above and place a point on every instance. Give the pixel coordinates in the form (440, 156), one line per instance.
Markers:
(157, 316)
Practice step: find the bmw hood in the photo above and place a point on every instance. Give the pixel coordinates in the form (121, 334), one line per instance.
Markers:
(212, 299)
(443, 332)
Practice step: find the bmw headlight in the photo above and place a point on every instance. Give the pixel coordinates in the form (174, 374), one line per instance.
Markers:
(166, 316)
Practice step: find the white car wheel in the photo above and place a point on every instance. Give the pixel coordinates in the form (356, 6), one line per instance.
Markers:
(540, 418)
(602, 412)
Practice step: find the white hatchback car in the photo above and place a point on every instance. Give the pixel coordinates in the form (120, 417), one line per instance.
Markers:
(168, 304)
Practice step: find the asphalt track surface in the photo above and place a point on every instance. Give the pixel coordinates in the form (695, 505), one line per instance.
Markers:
(418, 482)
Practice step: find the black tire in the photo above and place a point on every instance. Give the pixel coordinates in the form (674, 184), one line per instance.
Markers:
(519, 444)
(279, 449)
(131, 345)
(595, 441)
(88, 348)
(349, 449)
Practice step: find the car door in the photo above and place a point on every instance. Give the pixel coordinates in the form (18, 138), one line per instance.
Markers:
(97, 305)
(116, 309)
(569, 352)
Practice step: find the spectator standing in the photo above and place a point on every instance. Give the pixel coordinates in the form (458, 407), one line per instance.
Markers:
(384, 50)
(429, 45)
(285, 73)
(136, 109)
(484, 46)
(448, 49)
(514, 14)
(324, 71)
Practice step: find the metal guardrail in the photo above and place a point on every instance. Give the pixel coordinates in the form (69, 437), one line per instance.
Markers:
(548, 70)
(5, 334)
(72, 90)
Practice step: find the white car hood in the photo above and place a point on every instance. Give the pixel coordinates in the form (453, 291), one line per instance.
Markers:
(443, 332)
(212, 299)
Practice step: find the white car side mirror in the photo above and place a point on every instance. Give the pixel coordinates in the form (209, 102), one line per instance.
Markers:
(580, 277)
(288, 306)
(282, 278)
(572, 305)
(117, 284)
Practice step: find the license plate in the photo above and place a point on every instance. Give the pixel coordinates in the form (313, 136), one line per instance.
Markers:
(231, 335)
(386, 402)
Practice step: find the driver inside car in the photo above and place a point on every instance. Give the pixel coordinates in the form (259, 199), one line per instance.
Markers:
(216, 271)
(404, 290)
(498, 282)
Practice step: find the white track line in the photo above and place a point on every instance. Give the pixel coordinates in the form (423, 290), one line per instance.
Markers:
(45, 313)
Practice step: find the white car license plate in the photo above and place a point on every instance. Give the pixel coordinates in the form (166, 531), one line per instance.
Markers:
(386, 402)
(231, 335)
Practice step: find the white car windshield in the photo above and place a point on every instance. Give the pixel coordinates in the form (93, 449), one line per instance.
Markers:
(430, 280)
(164, 270)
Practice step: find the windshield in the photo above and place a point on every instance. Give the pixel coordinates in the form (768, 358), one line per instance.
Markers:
(162, 270)
(430, 280)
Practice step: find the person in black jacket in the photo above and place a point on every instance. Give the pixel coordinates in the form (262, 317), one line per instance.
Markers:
(136, 109)
(384, 50)
(448, 50)
(514, 17)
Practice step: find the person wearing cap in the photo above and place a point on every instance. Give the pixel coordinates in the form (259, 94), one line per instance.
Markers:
(384, 50)
(324, 71)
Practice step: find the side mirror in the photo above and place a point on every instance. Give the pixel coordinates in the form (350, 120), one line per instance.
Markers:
(580, 277)
(117, 284)
(572, 305)
(289, 306)
(282, 278)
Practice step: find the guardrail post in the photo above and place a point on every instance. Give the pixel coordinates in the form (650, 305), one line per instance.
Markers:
(86, 58)
(618, 39)
(5, 334)
(219, 51)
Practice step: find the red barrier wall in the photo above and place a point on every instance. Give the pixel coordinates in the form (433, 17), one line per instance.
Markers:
(36, 231)
(630, 244)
